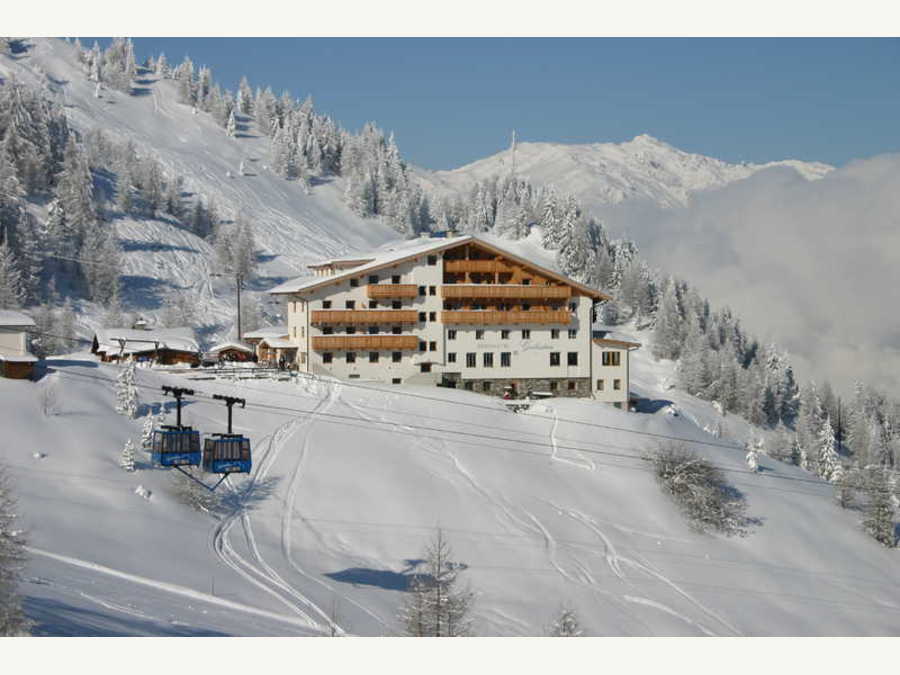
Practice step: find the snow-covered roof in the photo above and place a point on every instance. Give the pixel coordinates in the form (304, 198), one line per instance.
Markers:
(18, 358)
(9, 317)
(609, 334)
(240, 346)
(279, 343)
(397, 252)
(178, 339)
(266, 331)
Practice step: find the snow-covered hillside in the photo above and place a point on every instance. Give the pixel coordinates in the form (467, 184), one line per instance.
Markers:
(605, 174)
(547, 508)
(291, 227)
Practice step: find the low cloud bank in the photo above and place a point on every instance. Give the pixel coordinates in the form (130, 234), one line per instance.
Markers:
(814, 266)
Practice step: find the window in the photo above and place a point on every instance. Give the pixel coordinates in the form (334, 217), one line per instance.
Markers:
(354, 282)
(479, 334)
(326, 304)
(395, 279)
(573, 333)
(467, 386)
(351, 330)
(396, 330)
(327, 330)
(488, 359)
(373, 304)
(424, 367)
(373, 278)
(526, 282)
(303, 331)
(573, 358)
(421, 290)
(451, 357)
(423, 316)
(470, 360)
(326, 357)
(573, 307)
(599, 385)
(396, 357)
(373, 330)
(554, 333)
(451, 334)
(525, 306)
(485, 386)
(432, 346)
(526, 333)
(353, 376)
(504, 335)
(351, 357)
(618, 404)
(395, 380)
(505, 359)
(423, 346)
(432, 290)
(303, 358)
(396, 304)
(554, 358)
(617, 384)
(373, 357)
(295, 331)
(432, 316)
(571, 385)
(350, 304)
(553, 386)
(432, 260)
(611, 358)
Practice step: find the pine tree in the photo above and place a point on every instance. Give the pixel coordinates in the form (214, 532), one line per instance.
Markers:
(669, 331)
(879, 514)
(13, 622)
(11, 289)
(752, 456)
(435, 607)
(126, 391)
(147, 433)
(844, 481)
(232, 126)
(828, 460)
(566, 625)
(127, 460)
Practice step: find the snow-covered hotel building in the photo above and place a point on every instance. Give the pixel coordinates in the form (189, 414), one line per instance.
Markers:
(459, 312)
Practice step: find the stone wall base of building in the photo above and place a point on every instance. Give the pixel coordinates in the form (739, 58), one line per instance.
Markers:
(518, 387)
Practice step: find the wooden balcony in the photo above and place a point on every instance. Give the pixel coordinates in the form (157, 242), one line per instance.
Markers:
(476, 266)
(488, 317)
(365, 342)
(505, 291)
(379, 291)
(364, 316)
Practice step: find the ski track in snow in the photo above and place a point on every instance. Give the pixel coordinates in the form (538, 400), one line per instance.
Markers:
(167, 587)
(668, 610)
(583, 463)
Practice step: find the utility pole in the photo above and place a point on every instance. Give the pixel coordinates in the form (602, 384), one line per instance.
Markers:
(239, 284)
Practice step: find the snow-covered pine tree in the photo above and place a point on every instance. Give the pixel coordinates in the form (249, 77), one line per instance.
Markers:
(13, 621)
(11, 289)
(752, 455)
(879, 513)
(231, 128)
(845, 486)
(669, 332)
(566, 625)
(147, 433)
(828, 460)
(127, 459)
(435, 606)
(126, 392)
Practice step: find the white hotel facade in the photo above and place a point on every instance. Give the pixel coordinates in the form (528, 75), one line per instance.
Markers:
(460, 312)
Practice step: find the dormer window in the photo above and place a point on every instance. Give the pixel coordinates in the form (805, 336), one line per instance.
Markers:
(354, 282)
(373, 278)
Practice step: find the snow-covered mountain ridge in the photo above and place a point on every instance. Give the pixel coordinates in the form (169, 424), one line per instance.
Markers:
(605, 174)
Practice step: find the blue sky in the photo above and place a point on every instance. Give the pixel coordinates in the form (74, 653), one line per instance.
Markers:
(452, 101)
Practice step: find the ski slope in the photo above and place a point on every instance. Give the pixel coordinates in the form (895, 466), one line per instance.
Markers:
(547, 508)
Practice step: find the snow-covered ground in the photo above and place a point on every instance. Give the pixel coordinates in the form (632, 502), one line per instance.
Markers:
(547, 508)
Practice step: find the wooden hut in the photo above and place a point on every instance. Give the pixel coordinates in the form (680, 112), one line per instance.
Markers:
(15, 360)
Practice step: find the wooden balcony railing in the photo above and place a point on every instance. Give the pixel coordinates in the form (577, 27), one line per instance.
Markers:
(377, 291)
(503, 291)
(364, 316)
(476, 266)
(488, 317)
(365, 342)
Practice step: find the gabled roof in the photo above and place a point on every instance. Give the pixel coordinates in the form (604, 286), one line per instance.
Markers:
(413, 248)
(239, 346)
(605, 335)
(9, 317)
(137, 341)
(266, 331)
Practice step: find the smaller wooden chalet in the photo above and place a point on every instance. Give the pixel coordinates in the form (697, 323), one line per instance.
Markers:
(15, 360)
(165, 346)
(255, 338)
(272, 350)
(231, 351)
